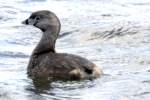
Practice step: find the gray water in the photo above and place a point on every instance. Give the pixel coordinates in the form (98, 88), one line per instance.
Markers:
(114, 34)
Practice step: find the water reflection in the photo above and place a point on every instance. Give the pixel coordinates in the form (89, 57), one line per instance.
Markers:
(56, 89)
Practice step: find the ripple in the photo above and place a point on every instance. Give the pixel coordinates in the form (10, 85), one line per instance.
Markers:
(67, 33)
(29, 1)
(61, 90)
(10, 54)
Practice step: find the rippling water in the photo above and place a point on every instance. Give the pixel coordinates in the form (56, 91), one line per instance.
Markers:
(114, 34)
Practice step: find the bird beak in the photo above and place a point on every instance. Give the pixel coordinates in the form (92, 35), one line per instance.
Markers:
(25, 22)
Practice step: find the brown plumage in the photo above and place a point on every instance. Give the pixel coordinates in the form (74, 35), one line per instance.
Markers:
(45, 62)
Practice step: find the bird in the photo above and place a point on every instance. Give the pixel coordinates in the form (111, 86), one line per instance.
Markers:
(45, 62)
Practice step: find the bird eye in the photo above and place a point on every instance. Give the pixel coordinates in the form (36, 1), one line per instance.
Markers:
(37, 18)
(32, 17)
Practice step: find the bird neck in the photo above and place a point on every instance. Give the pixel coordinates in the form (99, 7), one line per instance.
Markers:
(47, 42)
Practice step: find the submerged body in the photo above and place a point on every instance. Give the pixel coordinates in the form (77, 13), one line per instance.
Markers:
(45, 62)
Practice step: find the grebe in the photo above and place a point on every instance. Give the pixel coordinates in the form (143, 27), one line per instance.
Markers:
(45, 62)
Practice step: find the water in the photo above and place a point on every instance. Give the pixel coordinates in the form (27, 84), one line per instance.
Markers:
(114, 34)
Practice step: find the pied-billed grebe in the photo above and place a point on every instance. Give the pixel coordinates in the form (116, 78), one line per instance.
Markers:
(45, 62)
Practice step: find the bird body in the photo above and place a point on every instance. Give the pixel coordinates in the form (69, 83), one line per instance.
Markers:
(45, 62)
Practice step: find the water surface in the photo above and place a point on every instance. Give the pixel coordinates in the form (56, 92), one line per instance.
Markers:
(114, 34)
